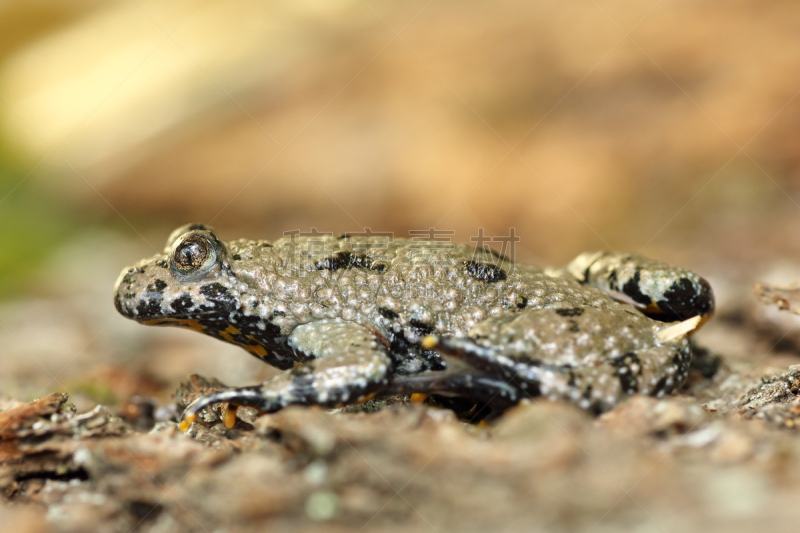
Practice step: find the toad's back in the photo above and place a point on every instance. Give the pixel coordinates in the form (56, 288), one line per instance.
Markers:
(402, 287)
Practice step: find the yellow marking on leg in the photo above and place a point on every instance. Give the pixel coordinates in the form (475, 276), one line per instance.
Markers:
(232, 330)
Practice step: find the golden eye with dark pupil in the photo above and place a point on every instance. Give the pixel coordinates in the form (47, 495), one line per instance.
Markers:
(191, 254)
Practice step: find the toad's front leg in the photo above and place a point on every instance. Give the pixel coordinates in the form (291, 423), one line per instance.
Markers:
(348, 363)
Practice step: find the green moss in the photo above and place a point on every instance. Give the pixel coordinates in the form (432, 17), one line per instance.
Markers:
(96, 391)
(31, 229)
(32, 224)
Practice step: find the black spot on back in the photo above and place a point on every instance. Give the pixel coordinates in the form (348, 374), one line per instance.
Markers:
(237, 257)
(387, 313)
(523, 301)
(420, 328)
(335, 262)
(573, 311)
(345, 259)
(484, 271)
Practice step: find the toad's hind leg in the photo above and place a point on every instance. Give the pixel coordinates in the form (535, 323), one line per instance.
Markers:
(458, 383)
(348, 363)
(661, 291)
(597, 387)
(593, 357)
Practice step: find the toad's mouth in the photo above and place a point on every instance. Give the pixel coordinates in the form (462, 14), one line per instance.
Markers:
(229, 334)
(189, 323)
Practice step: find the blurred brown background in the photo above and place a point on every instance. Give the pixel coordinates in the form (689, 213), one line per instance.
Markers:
(665, 127)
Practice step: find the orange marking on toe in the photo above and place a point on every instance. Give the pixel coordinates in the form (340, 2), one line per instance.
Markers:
(229, 418)
(232, 330)
(362, 399)
(418, 397)
(187, 420)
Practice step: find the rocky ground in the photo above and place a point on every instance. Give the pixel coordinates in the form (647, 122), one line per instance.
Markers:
(105, 453)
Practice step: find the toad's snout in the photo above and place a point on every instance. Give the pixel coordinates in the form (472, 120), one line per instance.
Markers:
(138, 297)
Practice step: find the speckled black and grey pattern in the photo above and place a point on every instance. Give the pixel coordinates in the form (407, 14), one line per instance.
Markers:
(344, 316)
(662, 291)
(591, 356)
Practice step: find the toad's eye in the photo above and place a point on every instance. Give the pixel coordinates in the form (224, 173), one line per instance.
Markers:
(193, 253)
